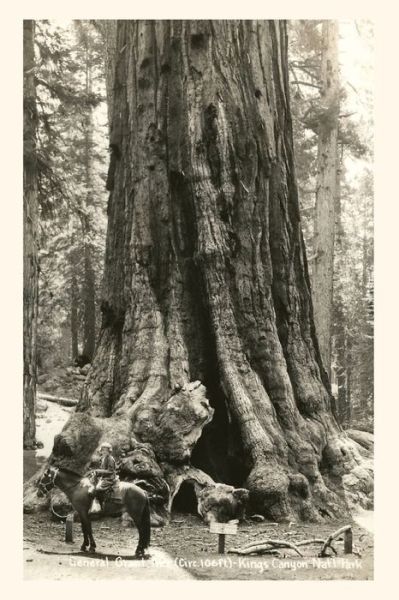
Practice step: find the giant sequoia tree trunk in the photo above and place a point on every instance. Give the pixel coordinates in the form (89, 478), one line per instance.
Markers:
(326, 190)
(206, 277)
(30, 238)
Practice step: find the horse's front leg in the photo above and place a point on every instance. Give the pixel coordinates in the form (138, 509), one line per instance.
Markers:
(91, 538)
(86, 540)
(87, 532)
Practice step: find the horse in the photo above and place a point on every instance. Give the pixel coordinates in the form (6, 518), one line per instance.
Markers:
(76, 488)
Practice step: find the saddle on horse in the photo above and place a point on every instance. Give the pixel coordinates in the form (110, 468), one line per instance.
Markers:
(100, 490)
(103, 480)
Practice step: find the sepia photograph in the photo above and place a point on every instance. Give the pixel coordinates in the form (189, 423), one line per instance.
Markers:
(198, 299)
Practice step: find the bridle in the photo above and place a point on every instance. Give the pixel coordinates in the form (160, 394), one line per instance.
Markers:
(46, 487)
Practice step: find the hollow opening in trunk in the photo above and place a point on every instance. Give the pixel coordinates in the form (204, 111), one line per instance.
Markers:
(219, 451)
(185, 500)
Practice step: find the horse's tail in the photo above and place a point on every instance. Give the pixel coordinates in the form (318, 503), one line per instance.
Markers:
(145, 525)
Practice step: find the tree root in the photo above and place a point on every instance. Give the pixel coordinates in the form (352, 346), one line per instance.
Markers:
(268, 546)
(310, 542)
(263, 546)
(260, 550)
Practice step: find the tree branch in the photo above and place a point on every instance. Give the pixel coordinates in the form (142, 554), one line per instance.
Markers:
(300, 82)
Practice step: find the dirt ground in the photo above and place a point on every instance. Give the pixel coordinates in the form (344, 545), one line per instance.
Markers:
(184, 548)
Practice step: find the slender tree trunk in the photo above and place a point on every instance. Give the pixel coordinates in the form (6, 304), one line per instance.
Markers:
(341, 344)
(349, 399)
(364, 383)
(206, 277)
(108, 30)
(342, 395)
(74, 320)
(30, 201)
(89, 292)
(365, 252)
(89, 301)
(339, 325)
(322, 278)
(74, 307)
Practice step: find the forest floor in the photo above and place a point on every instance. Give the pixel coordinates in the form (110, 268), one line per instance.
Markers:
(185, 549)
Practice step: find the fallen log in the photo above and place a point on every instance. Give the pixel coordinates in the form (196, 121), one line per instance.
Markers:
(57, 399)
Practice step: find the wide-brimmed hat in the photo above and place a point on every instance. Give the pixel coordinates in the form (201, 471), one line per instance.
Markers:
(106, 445)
